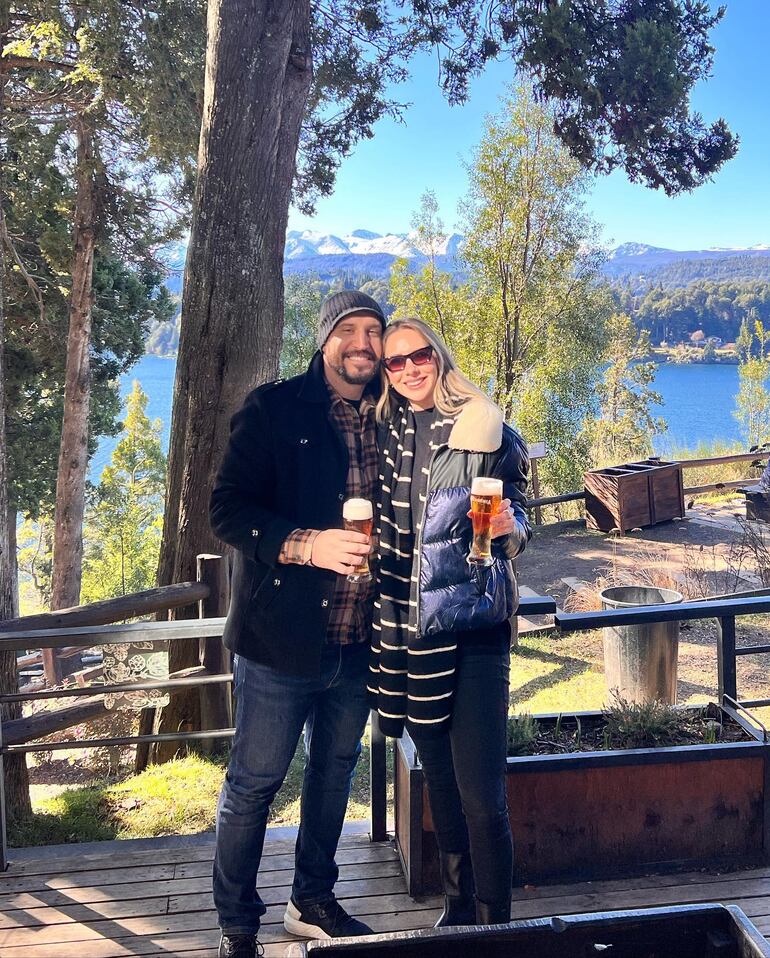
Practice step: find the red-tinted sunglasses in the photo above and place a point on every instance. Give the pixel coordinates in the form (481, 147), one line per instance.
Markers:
(420, 357)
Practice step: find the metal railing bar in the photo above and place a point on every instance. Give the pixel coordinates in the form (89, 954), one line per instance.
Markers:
(753, 703)
(114, 689)
(126, 740)
(572, 621)
(752, 650)
(743, 707)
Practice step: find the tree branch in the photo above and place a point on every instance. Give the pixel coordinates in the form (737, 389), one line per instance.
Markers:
(32, 63)
(36, 293)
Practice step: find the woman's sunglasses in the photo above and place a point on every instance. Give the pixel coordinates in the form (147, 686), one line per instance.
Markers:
(420, 357)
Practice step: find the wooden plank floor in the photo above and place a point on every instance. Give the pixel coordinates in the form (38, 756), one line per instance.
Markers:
(157, 901)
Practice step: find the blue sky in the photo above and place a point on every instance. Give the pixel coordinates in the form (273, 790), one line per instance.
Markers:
(380, 185)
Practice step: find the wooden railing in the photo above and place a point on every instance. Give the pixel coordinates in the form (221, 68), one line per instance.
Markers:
(16, 734)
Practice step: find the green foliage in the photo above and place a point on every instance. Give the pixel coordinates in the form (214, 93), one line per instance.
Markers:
(526, 323)
(672, 314)
(641, 725)
(522, 733)
(302, 303)
(625, 426)
(124, 520)
(619, 75)
(137, 89)
(752, 404)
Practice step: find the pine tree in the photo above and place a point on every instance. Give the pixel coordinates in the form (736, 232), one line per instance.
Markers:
(124, 524)
(120, 90)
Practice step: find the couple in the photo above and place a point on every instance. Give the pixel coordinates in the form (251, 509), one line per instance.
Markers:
(426, 643)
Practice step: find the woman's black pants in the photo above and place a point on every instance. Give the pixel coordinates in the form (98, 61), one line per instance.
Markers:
(464, 770)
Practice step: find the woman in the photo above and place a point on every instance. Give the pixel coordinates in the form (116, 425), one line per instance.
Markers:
(440, 653)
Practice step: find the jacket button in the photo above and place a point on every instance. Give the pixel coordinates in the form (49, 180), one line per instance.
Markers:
(276, 581)
(341, 496)
(303, 442)
(324, 603)
(255, 532)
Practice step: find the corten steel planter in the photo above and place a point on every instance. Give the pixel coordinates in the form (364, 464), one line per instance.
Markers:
(678, 931)
(633, 495)
(607, 813)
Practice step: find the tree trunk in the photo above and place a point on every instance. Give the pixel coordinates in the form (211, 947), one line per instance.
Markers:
(73, 452)
(15, 767)
(258, 74)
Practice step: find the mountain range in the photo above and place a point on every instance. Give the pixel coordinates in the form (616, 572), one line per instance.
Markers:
(365, 253)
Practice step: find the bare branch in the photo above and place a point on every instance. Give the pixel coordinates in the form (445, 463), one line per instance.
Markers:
(35, 289)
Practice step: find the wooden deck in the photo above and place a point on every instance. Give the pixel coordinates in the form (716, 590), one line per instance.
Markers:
(157, 901)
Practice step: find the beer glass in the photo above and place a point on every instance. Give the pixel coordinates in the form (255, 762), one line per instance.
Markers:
(357, 517)
(486, 496)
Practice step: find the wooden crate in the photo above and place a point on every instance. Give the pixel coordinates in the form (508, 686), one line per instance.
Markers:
(633, 495)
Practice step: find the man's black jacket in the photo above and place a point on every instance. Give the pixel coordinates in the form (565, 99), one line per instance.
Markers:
(285, 468)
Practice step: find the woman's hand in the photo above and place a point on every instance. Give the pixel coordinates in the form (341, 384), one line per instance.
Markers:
(502, 522)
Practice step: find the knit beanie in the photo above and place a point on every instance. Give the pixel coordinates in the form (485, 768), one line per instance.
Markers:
(338, 305)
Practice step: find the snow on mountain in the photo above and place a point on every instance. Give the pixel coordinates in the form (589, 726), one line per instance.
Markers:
(635, 249)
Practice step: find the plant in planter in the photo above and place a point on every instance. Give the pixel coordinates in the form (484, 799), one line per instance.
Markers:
(606, 793)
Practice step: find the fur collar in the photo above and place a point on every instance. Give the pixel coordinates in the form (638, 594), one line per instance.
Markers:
(478, 428)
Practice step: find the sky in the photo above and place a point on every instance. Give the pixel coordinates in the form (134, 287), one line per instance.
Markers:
(380, 184)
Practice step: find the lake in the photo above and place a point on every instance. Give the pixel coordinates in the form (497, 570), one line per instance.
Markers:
(698, 404)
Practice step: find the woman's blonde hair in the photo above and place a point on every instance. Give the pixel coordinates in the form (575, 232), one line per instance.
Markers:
(453, 389)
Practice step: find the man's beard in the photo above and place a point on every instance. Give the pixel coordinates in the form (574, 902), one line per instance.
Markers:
(357, 379)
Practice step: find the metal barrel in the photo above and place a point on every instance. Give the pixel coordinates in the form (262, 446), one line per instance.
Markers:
(640, 661)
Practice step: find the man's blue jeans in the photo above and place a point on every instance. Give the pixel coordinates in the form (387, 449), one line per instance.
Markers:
(270, 711)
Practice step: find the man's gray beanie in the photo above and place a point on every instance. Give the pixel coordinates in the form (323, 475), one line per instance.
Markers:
(338, 305)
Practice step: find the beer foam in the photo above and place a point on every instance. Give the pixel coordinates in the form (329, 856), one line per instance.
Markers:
(481, 486)
(357, 509)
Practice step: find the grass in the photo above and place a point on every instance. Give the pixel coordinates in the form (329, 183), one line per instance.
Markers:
(177, 798)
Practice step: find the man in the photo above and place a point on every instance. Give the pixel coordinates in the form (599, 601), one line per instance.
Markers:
(298, 629)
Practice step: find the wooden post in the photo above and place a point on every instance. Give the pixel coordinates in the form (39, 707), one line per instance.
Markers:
(536, 450)
(536, 493)
(51, 668)
(216, 700)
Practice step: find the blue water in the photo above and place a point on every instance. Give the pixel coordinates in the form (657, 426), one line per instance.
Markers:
(698, 404)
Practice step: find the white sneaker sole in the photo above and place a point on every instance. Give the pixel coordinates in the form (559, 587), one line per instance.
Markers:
(295, 926)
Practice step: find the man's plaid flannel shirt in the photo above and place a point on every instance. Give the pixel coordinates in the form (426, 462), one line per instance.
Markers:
(350, 618)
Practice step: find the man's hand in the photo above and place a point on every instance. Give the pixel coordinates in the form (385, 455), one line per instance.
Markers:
(339, 550)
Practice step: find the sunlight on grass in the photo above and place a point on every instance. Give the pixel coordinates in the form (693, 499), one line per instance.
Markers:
(177, 798)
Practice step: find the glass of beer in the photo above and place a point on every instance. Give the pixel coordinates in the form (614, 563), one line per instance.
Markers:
(486, 496)
(357, 517)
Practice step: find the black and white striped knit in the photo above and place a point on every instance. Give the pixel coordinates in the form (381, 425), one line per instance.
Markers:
(411, 677)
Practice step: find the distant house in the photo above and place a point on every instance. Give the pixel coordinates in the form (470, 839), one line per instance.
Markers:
(698, 338)
(715, 341)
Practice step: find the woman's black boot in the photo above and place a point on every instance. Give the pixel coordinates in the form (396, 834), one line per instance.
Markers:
(457, 879)
(494, 912)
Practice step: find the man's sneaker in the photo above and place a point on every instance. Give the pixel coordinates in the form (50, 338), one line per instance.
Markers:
(325, 919)
(240, 946)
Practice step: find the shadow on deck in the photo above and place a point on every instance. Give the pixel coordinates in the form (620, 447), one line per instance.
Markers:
(154, 898)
